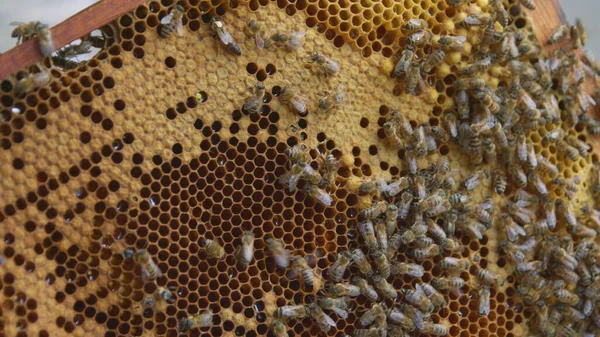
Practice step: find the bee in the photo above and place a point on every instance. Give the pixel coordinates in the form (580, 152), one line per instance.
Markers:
(291, 311)
(413, 77)
(435, 329)
(529, 4)
(456, 3)
(592, 290)
(165, 294)
(437, 299)
(377, 310)
(365, 288)
(580, 145)
(393, 188)
(150, 270)
(385, 288)
(26, 31)
(469, 83)
(343, 289)
(452, 43)
(291, 41)
(430, 202)
(419, 38)
(394, 244)
(490, 36)
(513, 230)
(566, 210)
(370, 332)
(281, 255)
(374, 211)
(538, 183)
(331, 166)
(545, 166)
(404, 205)
(149, 302)
(337, 305)
(32, 82)
(246, 249)
(279, 328)
(213, 249)
(569, 312)
(336, 270)
(450, 122)
(361, 261)
(483, 295)
(570, 151)
(319, 194)
(301, 267)
(397, 317)
(254, 103)
(371, 185)
(381, 234)
(476, 19)
(256, 30)
(298, 153)
(326, 65)
(484, 96)
(410, 269)
(415, 25)
(499, 136)
(294, 101)
(367, 230)
(529, 49)
(433, 60)
(220, 31)
(501, 13)
(404, 62)
(292, 177)
(454, 264)
(567, 297)
(489, 278)
(201, 320)
(422, 254)
(418, 298)
(332, 101)
(499, 181)
(559, 34)
(582, 31)
(172, 22)
(64, 55)
(448, 283)
(381, 263)
(472, 181)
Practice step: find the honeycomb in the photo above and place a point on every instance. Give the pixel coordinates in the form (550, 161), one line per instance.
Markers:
(156, 153)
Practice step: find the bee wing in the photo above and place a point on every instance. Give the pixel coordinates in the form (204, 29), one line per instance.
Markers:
(225, 36)
(16, 23)
(340, 312)
(180, 28)
(298, 35)
(260, 43)
(165, 20)
(460, 38)
(472, 20)
(329, 320)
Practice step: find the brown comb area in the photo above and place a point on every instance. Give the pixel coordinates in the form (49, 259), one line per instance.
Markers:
(146, 146)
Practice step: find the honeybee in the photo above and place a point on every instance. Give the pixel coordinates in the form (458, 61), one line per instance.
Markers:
(437, 299)
(397, 317)
(559, 34)
(150, 270)
(579, 144)
(472, 181)
(452, 43)
(566, 210)
(430, 202)
(490, 278)
(448, 283)
(456, 3)
(337, 305)
(291, 41)
(413, 78)
(370, 332)
(567, 297)
(172, 22)
(63, 56)
(484, 96)
(294, 101)
(255, 102)
(301, 267)
(26, 31)
(332, 101)
(381, 263)
(367, 230)
(256, 30)
(292, 177)
(422, 254)
(476, 19)
(538, 183)
(32, 82)
(582, 31)
(592, 290)
(298, 153)
(569, 151)
(435, 329)
(454, 264)
(483, 295)
(404, 205)
(219, 30)
(513, 230)
(365, 288)
(291, 311)
(385, 288)
(326, 65)
(404, 62)
(362, 263)
(371, 185)
(391, 217)
(529, 49)
(381, 234)
(569, 312)
(418, 298)
(201, 320)
(529, 4)
(372, 314)
(279, 328)
(490, 36)
(433, 60)
(319, 194)
(336, 270)
(165, 294)
(246, 249)
(411, 269)
(374, 211)
(419, 38)
(545, 166)
(343, 289)
(213, 249)
(501, 13)
(281, 255)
